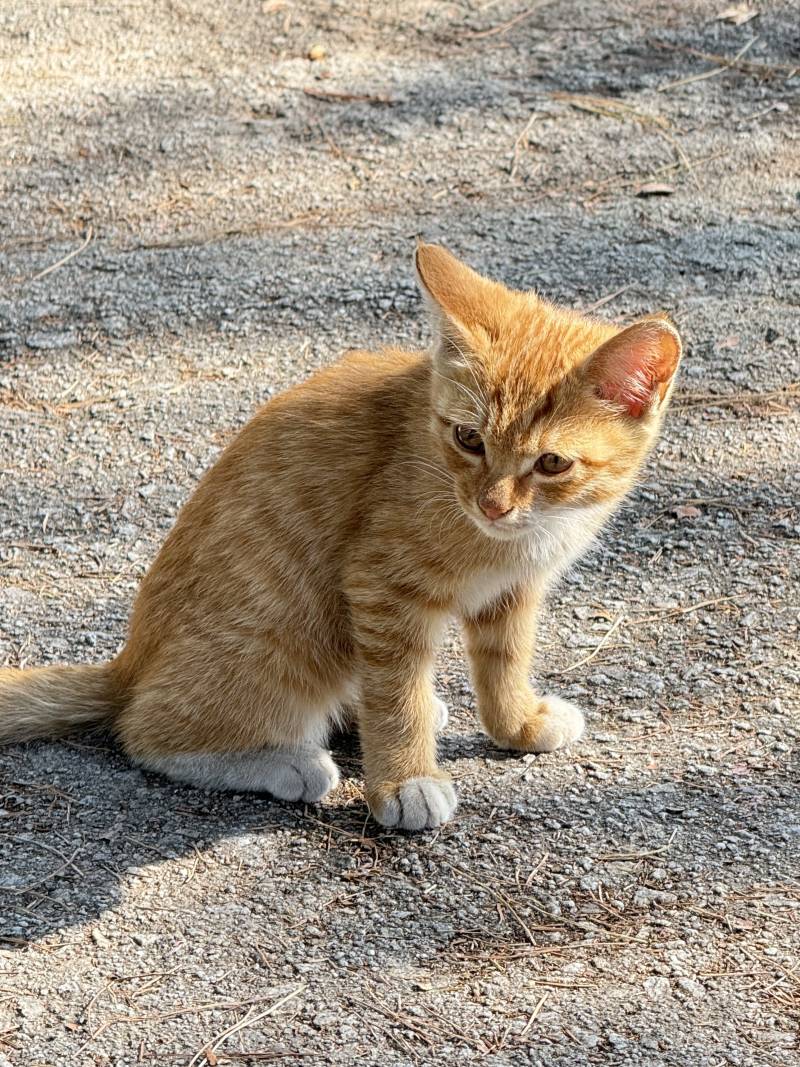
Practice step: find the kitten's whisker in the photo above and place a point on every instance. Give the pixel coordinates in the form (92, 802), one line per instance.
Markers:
(477, 401)
(469, 364)
(430, 468)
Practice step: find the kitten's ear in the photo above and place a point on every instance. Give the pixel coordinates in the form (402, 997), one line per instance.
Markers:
(457, 297)
(636, 368)
(449, 286)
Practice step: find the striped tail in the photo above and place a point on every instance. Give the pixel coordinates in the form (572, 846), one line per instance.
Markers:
(49, 701)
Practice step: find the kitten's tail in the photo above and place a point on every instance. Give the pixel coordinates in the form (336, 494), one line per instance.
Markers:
(49, 701)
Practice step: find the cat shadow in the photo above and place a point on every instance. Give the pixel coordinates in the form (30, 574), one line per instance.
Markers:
(84, 829)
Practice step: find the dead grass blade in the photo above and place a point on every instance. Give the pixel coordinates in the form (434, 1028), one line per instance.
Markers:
(336, 96)
(64, 259)
(615, 625)
(611, 108)
(504, 27)
(717, 400)
(208, 1051)
(725, 65)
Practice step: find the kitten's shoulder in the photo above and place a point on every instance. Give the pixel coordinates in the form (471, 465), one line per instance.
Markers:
(384, 363)
(359, 372)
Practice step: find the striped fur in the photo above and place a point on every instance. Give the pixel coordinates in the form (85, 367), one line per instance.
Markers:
(318, 561)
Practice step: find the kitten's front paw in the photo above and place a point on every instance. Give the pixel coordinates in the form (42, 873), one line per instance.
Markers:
(553, 724)
(442, 713)
(417, 804)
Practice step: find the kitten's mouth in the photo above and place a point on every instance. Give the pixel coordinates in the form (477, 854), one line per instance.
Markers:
(506, 528)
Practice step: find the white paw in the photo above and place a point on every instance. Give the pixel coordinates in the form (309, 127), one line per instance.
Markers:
(442, 714)
(561, 723)
(306, 775)
(418, 804)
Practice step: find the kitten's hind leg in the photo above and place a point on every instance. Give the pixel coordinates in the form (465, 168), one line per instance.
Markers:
(303, 772)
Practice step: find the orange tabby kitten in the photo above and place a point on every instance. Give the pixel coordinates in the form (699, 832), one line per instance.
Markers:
(320, 558)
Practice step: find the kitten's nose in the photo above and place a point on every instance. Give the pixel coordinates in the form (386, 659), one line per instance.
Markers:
(492, 512)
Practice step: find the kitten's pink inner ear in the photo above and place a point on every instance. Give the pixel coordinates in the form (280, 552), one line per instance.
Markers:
(637, 365)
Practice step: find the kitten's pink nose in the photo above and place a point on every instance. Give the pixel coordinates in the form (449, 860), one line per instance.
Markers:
(491, 511)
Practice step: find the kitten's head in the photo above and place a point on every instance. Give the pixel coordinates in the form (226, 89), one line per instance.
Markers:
(538, 410)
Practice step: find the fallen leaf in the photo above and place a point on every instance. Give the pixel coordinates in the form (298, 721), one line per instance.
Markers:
(655, 189)
(686, 511)
(738, 14)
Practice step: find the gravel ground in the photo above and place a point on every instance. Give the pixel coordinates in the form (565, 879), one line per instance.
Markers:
(236, 215)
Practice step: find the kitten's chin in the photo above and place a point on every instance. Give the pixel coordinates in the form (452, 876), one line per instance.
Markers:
(551, 532)
(499, 531)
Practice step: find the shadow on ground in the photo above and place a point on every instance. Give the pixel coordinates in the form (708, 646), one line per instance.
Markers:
(66, 861)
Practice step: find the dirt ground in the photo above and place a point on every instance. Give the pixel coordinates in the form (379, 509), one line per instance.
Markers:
(194, 215)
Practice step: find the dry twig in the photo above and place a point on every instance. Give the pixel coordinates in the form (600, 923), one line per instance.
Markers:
(625, 183)
(208, 1050)
(504, 27)
(68, 862)
(726, 65)
(534, 1013)
(521, 144)
(694, 400)
(191, 1009)
(692, 607)
(616, 857)
(64, 259)
(337, 96)
(615, 625)
(607, 299)
(763, 70)
(618, 109)
(611, 108)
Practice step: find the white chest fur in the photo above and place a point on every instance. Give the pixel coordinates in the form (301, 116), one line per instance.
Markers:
(482, 588)
(553, 543)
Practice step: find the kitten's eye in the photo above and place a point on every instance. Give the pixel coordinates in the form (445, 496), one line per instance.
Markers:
(550, 463)
(468, 438)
